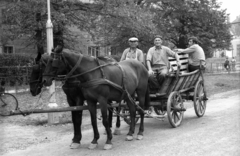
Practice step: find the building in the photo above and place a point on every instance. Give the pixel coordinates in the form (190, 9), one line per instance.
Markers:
(236, 47)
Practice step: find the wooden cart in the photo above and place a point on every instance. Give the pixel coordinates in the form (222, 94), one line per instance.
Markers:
(178, 88)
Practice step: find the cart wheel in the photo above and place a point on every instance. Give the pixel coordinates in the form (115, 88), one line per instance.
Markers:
(200, 101)
(159, 111)
(127, 119)
(175, 116)
(8, 102)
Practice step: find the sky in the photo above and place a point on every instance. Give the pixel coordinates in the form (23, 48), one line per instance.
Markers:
(232, 6)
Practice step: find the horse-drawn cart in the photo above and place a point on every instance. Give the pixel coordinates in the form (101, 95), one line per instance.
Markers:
(177, 88)
(100, 81)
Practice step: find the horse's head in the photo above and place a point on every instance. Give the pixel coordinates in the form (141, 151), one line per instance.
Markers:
(55, 67)
(36, 75)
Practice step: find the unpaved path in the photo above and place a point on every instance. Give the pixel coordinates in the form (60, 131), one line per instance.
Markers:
(216, 133)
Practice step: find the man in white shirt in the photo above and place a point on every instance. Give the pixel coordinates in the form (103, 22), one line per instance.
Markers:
(157, 58)
(196, 54)
(132, 52)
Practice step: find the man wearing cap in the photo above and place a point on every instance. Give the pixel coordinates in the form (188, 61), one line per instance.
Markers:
(157, 58)
(132, 52)
(196, 54)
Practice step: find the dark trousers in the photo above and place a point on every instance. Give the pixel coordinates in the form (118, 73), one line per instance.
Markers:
(156, 80)
(192, 68)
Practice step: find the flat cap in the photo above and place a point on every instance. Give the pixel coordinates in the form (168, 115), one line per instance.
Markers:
(158, 36)
(133, 39)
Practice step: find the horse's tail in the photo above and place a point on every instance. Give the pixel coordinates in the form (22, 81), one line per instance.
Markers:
(147, 99)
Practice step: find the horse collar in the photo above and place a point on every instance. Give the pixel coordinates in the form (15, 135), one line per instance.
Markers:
(74, 68)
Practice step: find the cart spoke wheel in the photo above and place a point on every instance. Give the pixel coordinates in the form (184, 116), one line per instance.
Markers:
(175, 117)
(200, 101)
(8, 102)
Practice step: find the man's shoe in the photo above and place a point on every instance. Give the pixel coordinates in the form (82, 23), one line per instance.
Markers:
(152, 113)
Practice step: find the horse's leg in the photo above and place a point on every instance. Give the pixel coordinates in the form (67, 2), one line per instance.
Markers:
(77, 122)
(141, 99)
(92, 106)
(117, 130)
(132, 110)
(110, 118)
(104, 110)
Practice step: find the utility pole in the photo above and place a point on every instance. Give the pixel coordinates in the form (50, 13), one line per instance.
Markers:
(52, 117)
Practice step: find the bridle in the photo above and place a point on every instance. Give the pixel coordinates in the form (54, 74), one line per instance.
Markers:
(39, 82)
(57, 57)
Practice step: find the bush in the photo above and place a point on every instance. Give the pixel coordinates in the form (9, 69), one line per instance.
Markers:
(10, 60)
(13, 68)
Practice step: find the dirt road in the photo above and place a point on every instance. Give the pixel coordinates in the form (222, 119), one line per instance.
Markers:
(216, 133)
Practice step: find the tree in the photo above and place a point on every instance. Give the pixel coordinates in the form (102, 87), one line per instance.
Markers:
(181, 19)
(112, 22)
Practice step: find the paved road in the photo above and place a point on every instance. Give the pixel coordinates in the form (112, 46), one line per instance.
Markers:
(216, 133)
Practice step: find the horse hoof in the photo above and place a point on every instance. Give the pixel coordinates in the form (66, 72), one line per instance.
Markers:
(139, 137)
(74, 145)
(129, 138)
(107, 146)
(92, 146)
(117, 131)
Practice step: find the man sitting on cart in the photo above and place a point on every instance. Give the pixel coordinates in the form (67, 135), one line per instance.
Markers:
(157, 59)
(196, 54)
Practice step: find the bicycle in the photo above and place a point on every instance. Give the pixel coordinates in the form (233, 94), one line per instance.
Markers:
(8, 102)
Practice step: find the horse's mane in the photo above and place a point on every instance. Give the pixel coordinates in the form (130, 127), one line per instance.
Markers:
(106, 59)
(111, 58)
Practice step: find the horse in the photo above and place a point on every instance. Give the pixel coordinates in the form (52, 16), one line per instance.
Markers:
(73, 93)
(103, 83)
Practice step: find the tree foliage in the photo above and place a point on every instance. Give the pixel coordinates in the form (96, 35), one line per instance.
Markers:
(112, 22)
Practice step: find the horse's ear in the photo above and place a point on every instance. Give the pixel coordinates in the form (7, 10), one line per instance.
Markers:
(58, 49)
(37, 59)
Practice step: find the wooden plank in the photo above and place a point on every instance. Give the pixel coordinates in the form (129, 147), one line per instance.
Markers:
(180, 56)
(174, 62)
(179, 83)
(183, 67)
(195, 79)
(172, 85)
(63, 109)
(186, 81)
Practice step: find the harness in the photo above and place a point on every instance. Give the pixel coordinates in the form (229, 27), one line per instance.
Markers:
(94, 82)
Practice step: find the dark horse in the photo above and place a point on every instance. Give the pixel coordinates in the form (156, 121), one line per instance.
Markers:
(103, 83)
(73, 92)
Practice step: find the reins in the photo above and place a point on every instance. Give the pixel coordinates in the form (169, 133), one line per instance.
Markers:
(99, 81)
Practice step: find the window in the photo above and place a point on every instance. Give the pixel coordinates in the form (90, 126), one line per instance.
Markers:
(94, 51)
(8, 49)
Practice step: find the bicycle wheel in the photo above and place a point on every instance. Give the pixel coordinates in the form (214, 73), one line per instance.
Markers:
(8, 102)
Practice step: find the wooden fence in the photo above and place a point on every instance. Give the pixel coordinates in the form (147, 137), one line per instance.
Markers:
(219, 67)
